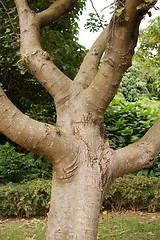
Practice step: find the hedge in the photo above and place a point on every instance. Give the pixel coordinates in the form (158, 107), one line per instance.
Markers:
(135, 193)
(33, 198)
(25, 200)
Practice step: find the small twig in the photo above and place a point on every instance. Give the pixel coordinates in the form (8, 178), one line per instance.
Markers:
(7, 13)
(97, 14)
(9, 17)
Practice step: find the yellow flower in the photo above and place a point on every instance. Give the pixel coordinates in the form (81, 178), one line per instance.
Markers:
(104, 212)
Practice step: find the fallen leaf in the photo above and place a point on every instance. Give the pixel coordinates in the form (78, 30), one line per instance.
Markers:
(150, 234)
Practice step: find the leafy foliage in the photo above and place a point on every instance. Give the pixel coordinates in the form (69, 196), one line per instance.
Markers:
(127, 122)
(136, 193)
(95, 22)
(25, 200)
(134, 85)
(18, 167)
(149, 39)
(148, 55)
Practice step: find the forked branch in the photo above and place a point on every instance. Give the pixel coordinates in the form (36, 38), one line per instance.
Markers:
(90, 64)
(37, 137)
(37, 60)
(123, 35)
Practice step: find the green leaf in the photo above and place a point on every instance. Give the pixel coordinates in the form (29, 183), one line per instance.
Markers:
(127, 131)
(139, 7)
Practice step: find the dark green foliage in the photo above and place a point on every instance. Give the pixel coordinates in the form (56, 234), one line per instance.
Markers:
(136, 193)
(152, 171)
(127, 122)
(18, 167)
(33, 198)
(140, 81)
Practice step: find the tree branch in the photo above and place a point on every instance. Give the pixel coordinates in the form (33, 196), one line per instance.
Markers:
(23, 130)
(89, 66)
(137, 155)
(37, 137)
(37, 60)
(123, 35)
(57, 9)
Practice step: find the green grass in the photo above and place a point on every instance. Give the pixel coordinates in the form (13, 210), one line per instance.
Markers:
(128, 226)
(23, 229)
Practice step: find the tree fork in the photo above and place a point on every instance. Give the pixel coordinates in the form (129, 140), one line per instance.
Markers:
(84, 165)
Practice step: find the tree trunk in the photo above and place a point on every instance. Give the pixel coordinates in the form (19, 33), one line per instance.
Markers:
(77, 193)
(75, 205)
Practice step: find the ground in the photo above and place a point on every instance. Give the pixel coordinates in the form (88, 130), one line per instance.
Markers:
(112, 226)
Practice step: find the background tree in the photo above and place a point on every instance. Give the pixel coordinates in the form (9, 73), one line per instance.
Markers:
(133, 86)
(148, 56)
(76, 146)
(142, 78)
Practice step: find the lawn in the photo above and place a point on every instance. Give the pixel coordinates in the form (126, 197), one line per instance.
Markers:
(112, 226)
(129, 226)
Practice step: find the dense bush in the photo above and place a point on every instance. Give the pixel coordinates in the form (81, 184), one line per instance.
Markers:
(18, 167)
(25, 200)
(126, 122)
(33, 198)
(136, 193)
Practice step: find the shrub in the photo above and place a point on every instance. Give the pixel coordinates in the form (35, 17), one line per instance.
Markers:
(136, 193)
(33, 197)
(134, 85)
(18, 167)
(127, 122)
(25, 200)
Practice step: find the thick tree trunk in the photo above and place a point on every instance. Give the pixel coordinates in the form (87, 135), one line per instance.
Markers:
(75, 205)
(77, 193)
